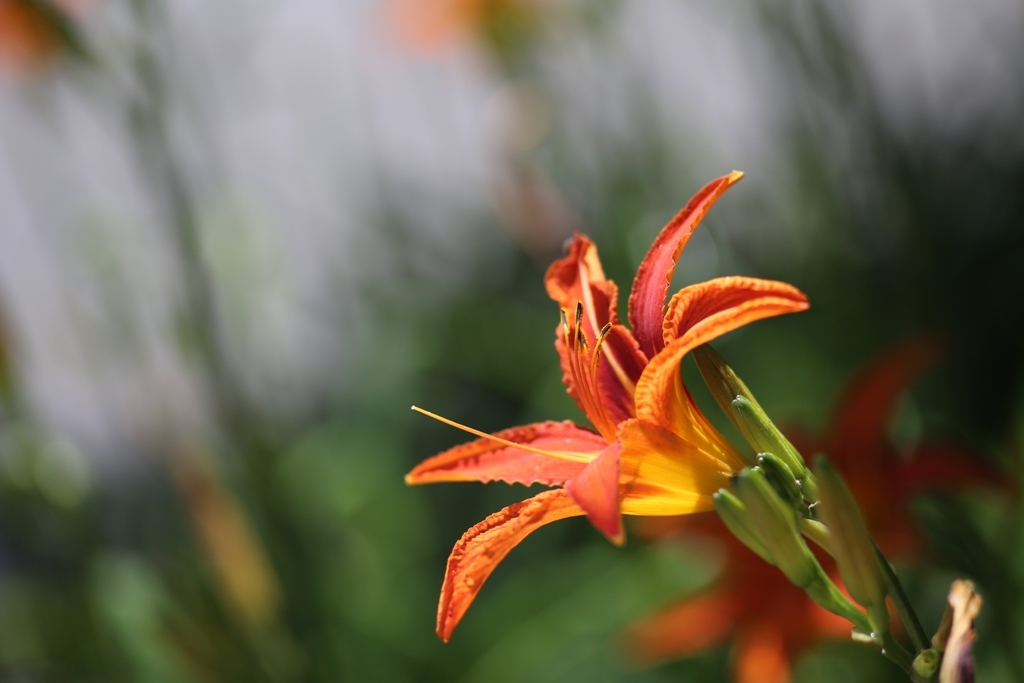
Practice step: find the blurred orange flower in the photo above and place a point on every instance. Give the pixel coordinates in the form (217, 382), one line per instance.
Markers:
(883, 478)
(771, 620)
(33, 33)
(653, 452)
(430, 24)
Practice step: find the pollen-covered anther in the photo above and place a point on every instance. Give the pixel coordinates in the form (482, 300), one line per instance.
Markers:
(583, 366)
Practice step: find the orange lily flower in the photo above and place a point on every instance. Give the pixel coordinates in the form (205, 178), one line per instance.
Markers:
(430, 24)
(771, 620)
(33, 33)
(651, 451)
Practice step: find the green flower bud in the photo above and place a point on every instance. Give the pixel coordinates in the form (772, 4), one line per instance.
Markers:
(781, 478)
(749, 417)
(736, 519)
(722, 380)
(926, 664)
(817, 532)
(851, 543)
(761, 433)
(776, 525)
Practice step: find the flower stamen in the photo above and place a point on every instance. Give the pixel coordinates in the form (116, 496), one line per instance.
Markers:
(583, 366)
(575, 457)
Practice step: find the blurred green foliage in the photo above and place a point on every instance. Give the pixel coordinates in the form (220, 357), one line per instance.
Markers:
(109, 579)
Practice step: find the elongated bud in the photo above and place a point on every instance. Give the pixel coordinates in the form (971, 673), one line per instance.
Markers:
(736, 518)
(776, 525)
(781, 478)
(851, 543)
(751, 420)
(817, 532)
(722, 380)
(765, 437)
(726, 386)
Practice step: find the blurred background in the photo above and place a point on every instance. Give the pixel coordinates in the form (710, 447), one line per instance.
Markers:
(239, 240)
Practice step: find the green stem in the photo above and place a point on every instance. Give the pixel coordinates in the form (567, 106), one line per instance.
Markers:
(896, 653)
(890, 647)
(817, 532)
(902, 604)
(824, 592)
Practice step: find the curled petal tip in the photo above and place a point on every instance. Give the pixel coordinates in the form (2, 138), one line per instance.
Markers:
(614, 531)
(486, 544)
(709, 309)
(596, 490)
(650, 287)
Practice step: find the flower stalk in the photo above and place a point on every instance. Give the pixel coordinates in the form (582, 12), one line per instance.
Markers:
(739, 404)
(780, 501)
(776, 526)
(899, 600)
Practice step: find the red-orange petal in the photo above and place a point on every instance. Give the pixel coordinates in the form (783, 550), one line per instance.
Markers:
(29, 37)
(684, 629)
(941, 468)
(726, 303)
(650, 288)
(761, 656)
(596, 490)
(486, 460)
(481, 548)
(430, 26)
(579, 278)
(667, 474)
(861, 420)
(622, 363)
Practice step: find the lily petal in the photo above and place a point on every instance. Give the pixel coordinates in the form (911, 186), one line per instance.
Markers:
(725, 303)
(862, 416)
(942, 468)
(481, 548)
(663, 400)
(650, 288)
(579, 278)
(666, 474)
(685, 629)
(488, 460)
(596, 490)
(761, 656)
(622, 364)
